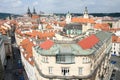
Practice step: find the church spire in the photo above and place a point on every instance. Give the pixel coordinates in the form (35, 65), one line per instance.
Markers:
(28, 12)
(34, 11)
(86, 10)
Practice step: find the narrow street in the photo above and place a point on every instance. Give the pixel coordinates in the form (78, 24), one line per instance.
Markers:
(14, 69)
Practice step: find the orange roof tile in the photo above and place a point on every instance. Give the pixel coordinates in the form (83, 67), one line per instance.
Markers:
(115, 39)
(114, 29)
(47, 44)
(35, 16)
(62, 23)
(103, 26)
(88, 42)
(41, 35)
(49, 27)
(82, 20)
(27, 46)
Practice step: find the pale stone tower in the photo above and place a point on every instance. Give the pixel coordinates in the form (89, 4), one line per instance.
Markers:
(85, 14)
(68, 18)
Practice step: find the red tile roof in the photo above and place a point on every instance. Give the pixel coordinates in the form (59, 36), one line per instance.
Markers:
(49, 27)
(35, 17)
(103, 26)
(27, 46)
(114, 29)
(62, 23)
(88, 42)
(41, 35)
(47, 44)
(115, 39)
(83, 20)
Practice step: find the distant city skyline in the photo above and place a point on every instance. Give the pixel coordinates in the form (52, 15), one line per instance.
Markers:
(59, 6)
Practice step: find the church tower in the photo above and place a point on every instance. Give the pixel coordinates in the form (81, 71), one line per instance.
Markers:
(85, 14)
(34, 11)
(68, 18)
(28, 12)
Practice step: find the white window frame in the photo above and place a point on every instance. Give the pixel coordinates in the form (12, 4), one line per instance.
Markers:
(80, 70)
(50, 69)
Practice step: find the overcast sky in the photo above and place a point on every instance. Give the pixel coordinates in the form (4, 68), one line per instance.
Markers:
(59, 6)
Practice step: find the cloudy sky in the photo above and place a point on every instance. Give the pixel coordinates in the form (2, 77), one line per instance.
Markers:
(59, 6)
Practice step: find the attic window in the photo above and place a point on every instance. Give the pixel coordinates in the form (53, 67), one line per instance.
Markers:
(25, 54)
(22, 50)
(30, 59)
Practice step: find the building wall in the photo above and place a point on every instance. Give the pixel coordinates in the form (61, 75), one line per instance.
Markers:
(2, 53)
(8, 49)
(2, 59)
(115, 49)
(56, 68)
(18, 39)
(99, 62)
(104, 70)
(116, 24)
(86, 26)
(28, 67)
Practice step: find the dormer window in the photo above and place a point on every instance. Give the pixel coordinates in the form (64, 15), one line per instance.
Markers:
(30, 59)
(25, 54)
(22, 50)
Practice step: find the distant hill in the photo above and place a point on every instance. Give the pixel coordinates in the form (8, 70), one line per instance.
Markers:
(94, 14)
(106, 14)
(5, 15)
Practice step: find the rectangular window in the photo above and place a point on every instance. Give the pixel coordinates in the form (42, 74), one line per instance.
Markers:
(50, 70)
(114, 44)
(80, 71)
(62, 58)
(65, 58)
(85, 60)
(65, 71)
(45, 59)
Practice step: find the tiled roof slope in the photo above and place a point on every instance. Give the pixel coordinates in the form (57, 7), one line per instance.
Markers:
(27, 46)
(82, 20)
(115, 39)
(47, 44)
(103, 26)
(88, 42)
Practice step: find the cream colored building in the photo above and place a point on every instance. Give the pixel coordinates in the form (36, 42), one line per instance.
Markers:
(116, 44)
(2, 57)
(74, 60)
